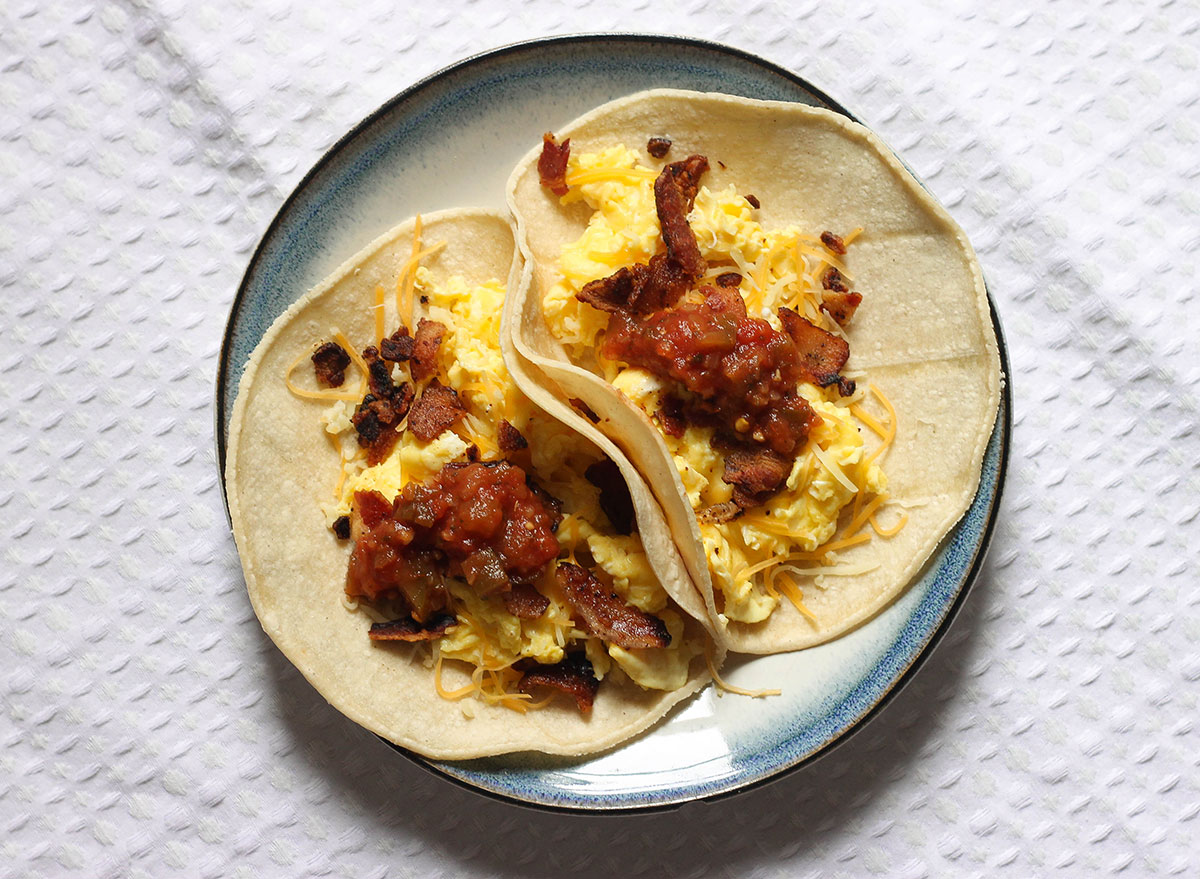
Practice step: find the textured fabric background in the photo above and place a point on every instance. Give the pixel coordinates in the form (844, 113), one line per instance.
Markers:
(150, 729)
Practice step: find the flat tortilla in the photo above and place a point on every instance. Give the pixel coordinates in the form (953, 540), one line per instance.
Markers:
(923, 332)
(281, 468)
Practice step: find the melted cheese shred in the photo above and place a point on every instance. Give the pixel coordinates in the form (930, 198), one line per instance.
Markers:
(727, 687)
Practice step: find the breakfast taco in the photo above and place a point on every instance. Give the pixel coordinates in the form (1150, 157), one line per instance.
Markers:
(787, 336)
(448, 565)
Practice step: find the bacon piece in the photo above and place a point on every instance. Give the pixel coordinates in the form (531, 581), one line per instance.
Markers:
(372, 507)
(552, 163)
(841, 306)
(672, 415)
(754, 202)
(398, 347)
(510, 439)
(615, 499)
(525, 602)
(724, 300)
(377, 419)
(755, 474)
(834, 280)
(330, 362)
(425, 349)
(606, 614)
(341, 527)
(573, 676)
(822, 354)
(585, 410)
(658, 146)
(437, 411)
(833, 242)
(674, 193)
(729, 279)
(718, 513)
(408, 629)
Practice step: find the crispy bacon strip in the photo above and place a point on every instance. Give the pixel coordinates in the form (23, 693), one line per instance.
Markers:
(408, 629)
(552, 163)
(425, 349)
(524, 601)
(437, 411)
(674, 193)
(606, 615)
(755, 474)
(330, 362)
(615, 499)
(573, 676)
(822, 354)
(510, 439)
(398, 347)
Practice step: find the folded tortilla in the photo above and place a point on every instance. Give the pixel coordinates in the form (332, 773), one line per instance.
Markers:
(281, 469)
(923, 330)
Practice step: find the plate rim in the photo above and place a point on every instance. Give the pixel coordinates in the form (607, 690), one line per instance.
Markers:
(1002, 424)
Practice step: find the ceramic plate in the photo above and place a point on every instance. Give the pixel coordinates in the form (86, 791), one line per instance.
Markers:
(452, 140)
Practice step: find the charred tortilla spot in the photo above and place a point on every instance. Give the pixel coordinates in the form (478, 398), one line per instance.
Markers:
(573, 676)
(408, 629)
(606, 615)
(330, 361)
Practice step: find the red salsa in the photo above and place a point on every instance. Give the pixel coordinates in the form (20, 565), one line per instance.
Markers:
(483, 522)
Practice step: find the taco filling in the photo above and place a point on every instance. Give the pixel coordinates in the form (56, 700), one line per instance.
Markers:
(729, 336)
(480, 525)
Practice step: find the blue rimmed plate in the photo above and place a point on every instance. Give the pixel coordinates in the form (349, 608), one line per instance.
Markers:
(452, 140)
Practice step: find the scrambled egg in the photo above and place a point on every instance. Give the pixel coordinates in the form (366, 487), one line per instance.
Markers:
(778, 267)
(487, 636)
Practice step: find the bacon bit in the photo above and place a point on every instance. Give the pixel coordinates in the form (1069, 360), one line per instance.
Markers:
(372, 508)
(754, 202)
(615, 499)
(510, 439)
(330, 361)
(398, 347)
(833, 242)
(425, 349)
(437, 411)
(658, 146)
(834, 280)
(755, 474)
(552, 164)
(408, 629)
(341, 527)
(718, 513)
(377, 421)
(674, 195)
(525, 602)
(638, 289)
(472, 453)
(585, 410)
(822, 353)
(729, 279)
(727, 300)
(606, 615)
(671, 415)
(573, 676)
(841, 306)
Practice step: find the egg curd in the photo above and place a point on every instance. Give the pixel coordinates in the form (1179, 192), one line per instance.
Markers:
(487, 636)
(791, 533)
